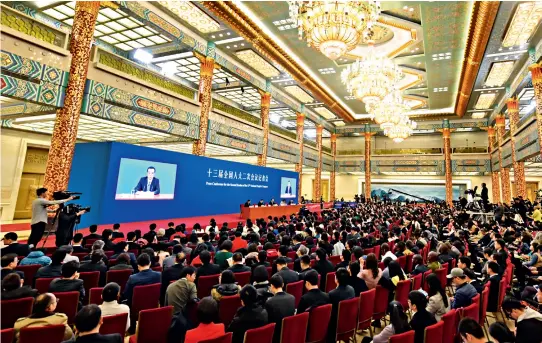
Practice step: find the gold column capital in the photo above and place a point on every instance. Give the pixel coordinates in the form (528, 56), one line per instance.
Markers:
(512, 104)
(266, 99)
(499, 120)
(319, 129)
(90, 6)
(333, 138)
(536, 73)
(300, 119)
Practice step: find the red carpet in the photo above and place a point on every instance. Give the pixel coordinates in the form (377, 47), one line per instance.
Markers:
(231, 219)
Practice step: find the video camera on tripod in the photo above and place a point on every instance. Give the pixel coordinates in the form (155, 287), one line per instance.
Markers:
(474, 201)
(61, 195)
(66, 217)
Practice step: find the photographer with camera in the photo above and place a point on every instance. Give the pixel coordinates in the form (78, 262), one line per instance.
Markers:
(39, 215)
(67, 220)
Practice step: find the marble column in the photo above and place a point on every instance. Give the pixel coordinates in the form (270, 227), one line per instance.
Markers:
(205, 98)
(505, 172)
(318, 170)
(519, 167)
(300, 122)
(266, 103)
(332, 177)
(536, 75)
(367, 156)
(59, 161)
(446, 137)
(495, 183)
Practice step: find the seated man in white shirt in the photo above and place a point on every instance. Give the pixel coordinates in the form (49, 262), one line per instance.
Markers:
(69, 251)
(110, 306)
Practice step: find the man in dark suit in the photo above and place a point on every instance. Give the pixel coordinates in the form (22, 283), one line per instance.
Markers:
(280, 306)
(314, 296)
(12, 247)
(88, 322)
(494, 280)
(484, 194)
(69, 281)
(272, 202)
(305, 262)
(207, 267)
(146, 276)
(148, 183)
(421, 318)
(343, 292)
(286, 274)
(238, 266)
(172, 273)
(77, 240)
(247, 204)
(323, 267)
(288, 189)
(9, 263)
(116, 232)
(346, 257)
(93, 235)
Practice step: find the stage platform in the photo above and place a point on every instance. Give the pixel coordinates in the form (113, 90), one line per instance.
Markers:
(23, 229)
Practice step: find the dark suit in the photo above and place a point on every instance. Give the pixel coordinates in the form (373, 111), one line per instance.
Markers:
(421, 320)
(288, 190)
(7, 271)
(97, 338)
(94, 236)
(335, 297)
(170, 274)
(142, 185)
(15, 248)
(304, 272)
(493, 298)
(288, 275)
(312, 298)
(67, 285)
(323, 267)
(239, 268)
(246, 318)
(484, 195)
(145, 277)
(208, 269)
(49, 271)
(95, 267)
(280, 306)
(117, 234)
(19, 293)
(79, 249)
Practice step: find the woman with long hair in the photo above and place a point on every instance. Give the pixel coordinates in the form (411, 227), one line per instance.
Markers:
(398, 324)
(358, 284)
(438, 303)
(371, 273)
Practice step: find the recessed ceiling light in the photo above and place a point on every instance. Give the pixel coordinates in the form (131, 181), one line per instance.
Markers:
(242, 44)
(419, 63)
(213, 36)
(510, 48)
(411, 9)
(227, 47)
(500, 49)
(221, 35)
(228, 33)
(235, 46)
(405, 8)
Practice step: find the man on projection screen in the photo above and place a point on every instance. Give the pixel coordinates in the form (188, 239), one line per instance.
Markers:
(149, 183)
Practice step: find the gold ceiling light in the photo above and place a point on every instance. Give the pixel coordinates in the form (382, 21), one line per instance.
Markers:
(390, 111)
(478, 115)
(299, 94)
(402, 130)
(499, 73)
(523, 24)
(190, 13)
(339, 123)
(324, 112)
(485, 101)
(334, 27)
(257, 63)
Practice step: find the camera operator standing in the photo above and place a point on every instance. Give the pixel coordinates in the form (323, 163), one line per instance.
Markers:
(39, 215)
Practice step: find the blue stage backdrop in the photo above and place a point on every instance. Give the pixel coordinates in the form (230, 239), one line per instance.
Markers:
(203, 186)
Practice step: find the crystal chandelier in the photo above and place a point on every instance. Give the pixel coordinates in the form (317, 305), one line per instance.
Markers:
(389, 111)
(371, 78)
(402, 130)
(334, 27)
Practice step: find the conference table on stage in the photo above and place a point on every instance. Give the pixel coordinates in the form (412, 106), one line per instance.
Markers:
(265, 211)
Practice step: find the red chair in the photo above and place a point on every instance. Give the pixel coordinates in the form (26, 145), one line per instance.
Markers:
(318, 324)
(408, 267)
(368, 251)
(290, 265)
(450, 320)
(269, 272)
(401, 292)
(380, 303)
(330, 282)
(145, 298)
(67, 304)
(441, 274)
(205, 285)
(417, 282)
(381, 265)
(433, 333)
(42, 284)
(109, 254)
(471, 311)
(158, 269)
(445, 266)
(291, 254)
(114, 324)
(80, 255)
(90, 280)
(405, 337)
(294, 328)
(243, 278)
(29, 272)
(227, 308)
(118, 276)
(476, 300)
(15, 309)
(483, 308)
(402, 261)
(377, 252)
(347, 319)
(263, 334)
(226, 338)
(95, 296)
(365, 312)
(153, 325)
(425, 275)
(335, 259)
(42, 334)
(90, 241)
(295, 289)
(7, 335)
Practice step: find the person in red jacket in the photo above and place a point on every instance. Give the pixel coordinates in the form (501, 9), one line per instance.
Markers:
(206, 312)
(238, 242)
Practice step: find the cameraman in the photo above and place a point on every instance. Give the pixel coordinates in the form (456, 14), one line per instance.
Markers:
(66, 223)
(39, 215)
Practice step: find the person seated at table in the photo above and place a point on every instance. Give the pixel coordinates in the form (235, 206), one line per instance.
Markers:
(207, 313)
(69, 281)
(247, 204)
(43, 314)
(88, 322)
(12, 288)
(260, 203)
(272, 202)
(226, 286)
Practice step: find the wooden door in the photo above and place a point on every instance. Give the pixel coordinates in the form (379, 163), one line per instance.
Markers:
(27, 193)
(324, 190)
